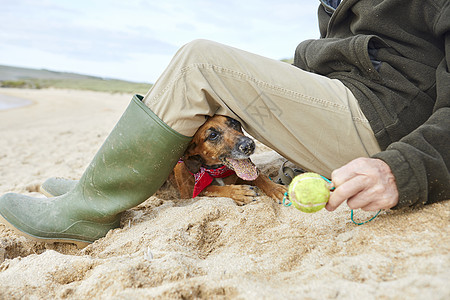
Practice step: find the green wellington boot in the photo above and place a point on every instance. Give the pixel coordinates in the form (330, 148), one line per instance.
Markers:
(131, 165)
(57, 186)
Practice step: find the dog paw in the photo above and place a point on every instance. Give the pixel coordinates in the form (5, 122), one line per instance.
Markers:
(241, 194)
(245, 194)
(277, 193)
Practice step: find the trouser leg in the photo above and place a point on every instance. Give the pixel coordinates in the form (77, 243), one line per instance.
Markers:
(310, 119)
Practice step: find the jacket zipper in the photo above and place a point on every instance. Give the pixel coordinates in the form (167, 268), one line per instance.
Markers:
(334, 14)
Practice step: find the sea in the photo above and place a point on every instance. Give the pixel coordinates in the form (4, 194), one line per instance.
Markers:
(8, 102)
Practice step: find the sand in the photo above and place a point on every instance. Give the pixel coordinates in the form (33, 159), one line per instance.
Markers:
(203, 248)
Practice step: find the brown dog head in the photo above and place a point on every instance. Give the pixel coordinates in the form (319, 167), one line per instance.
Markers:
(220, 141)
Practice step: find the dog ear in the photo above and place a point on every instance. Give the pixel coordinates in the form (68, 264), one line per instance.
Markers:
(193, 163)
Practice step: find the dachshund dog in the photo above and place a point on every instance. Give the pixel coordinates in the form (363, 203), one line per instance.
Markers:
(217, 164)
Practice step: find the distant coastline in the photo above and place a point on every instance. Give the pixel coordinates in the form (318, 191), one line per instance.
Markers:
(17, 77)
(8, 102)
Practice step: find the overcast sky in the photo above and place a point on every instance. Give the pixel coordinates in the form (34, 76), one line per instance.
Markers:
(135, 40)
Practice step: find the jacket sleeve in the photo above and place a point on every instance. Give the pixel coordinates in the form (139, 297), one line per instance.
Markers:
(420, 161)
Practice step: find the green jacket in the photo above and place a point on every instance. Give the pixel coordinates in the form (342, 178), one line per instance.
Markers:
(394, 55)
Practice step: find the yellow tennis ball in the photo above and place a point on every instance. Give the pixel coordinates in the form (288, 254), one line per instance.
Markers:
(309, 192)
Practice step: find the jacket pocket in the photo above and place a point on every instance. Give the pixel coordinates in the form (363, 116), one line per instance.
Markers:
(340, 56)
(364, 48)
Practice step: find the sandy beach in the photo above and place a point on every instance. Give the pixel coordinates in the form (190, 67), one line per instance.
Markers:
(202, 248)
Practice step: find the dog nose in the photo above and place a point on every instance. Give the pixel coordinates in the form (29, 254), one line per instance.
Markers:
(246, 146)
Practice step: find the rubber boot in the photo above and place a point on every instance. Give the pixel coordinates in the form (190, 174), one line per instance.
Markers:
(57, 186)
(131, 165)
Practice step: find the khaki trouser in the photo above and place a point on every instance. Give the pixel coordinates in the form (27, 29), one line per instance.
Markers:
(311, 120)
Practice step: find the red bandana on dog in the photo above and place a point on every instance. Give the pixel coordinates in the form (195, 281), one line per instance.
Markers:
(205, 177)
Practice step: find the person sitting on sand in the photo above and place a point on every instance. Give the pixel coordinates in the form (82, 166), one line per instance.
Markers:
(367, 104)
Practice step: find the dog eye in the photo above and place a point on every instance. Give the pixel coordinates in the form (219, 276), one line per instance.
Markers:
(213, 136)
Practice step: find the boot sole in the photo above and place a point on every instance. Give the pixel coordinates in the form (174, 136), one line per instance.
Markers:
(78, 243)
(45, 193)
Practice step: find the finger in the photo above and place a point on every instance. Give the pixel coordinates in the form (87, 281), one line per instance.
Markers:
(348, 171)
(345, 191)
(368, 198)
(333, 204)
(341, 175)
(360, 201)
(371, 207)
(373, 198)
(338, 178)
(379, 204)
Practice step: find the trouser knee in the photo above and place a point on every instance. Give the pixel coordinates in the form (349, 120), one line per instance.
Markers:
(201, 51)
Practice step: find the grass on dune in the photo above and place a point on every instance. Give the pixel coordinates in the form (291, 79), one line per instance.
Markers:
(92, 84)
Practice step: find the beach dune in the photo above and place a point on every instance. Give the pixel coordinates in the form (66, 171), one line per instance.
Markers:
(202, 248)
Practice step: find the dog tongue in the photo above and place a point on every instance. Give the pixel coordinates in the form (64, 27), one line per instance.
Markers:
(244, 168)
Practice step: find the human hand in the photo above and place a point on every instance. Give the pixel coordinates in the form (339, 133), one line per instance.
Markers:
(366, 183)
